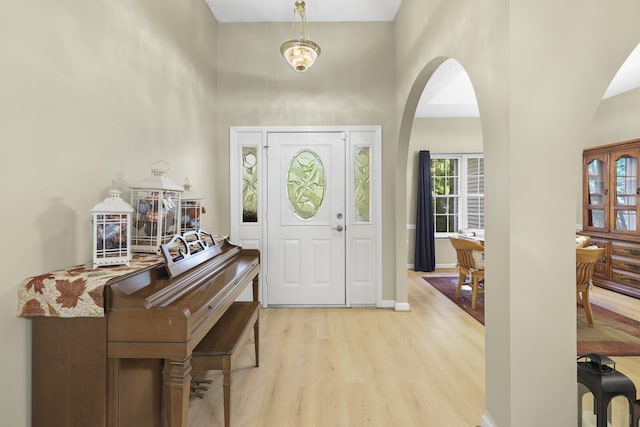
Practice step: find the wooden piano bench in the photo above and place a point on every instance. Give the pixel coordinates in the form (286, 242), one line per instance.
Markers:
(217, 350)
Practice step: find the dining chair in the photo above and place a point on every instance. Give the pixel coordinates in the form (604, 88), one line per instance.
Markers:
(586, 259)
(470, 263)
(582, 241)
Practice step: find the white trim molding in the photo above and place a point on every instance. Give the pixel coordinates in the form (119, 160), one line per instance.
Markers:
(487, 421)
(454, 265)
(363, 276)
(402, 306)
(438, 266)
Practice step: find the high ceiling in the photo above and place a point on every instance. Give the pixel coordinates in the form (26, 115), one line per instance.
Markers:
(317, 10)
(628, 76)
(449, 92)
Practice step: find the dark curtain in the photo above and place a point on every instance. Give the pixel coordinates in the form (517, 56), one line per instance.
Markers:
(425, 251)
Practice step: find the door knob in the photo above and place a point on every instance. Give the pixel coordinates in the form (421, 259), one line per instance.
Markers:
(339, 227)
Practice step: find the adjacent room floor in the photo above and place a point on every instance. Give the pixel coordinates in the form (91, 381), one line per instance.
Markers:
(368, 367)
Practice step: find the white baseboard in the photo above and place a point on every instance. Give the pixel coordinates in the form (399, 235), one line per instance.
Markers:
(487, 421)
(442, 266)
(388, 303)
(402, 306)
(397, 306)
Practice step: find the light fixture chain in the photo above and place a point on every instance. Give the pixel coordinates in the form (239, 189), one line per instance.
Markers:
(293, 22)
(303, 20)
(300, 52)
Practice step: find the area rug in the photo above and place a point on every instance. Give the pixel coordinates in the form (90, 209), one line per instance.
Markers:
(612, 334)
(447, 286)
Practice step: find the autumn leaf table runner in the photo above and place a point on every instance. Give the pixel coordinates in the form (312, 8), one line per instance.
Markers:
(74, 292)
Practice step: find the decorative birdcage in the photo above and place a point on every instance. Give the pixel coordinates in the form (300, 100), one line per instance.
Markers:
(111, 231)
(156, 215)
(191, 208)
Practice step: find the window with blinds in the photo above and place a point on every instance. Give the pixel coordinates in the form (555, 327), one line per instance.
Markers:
(457, 191)
(475, 192)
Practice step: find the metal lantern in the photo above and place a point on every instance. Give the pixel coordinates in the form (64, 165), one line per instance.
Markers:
(597, 375)
(111, 231)
(156, 213)
(191, 208)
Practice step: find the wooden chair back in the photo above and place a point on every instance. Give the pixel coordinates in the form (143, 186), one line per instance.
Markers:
(464, 252)
(582, 241)
(586, 259)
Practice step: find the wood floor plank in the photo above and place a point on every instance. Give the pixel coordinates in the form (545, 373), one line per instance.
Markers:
(368, 367)
(357, 367)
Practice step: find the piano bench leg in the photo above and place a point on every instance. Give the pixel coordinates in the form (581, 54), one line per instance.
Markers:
(216, 351)
(226, 387)
(256, 339)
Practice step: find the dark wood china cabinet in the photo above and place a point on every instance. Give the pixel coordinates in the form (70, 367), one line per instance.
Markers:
(611, 212)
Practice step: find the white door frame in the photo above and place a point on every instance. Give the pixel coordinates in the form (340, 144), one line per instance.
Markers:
(363, 262)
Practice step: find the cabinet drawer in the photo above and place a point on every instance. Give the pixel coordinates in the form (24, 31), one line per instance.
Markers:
(625, 250)
(626, 278)
(626, 264)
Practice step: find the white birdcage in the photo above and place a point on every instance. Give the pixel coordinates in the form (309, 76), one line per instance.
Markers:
(111, 231)
(156, 213)
(191, 208)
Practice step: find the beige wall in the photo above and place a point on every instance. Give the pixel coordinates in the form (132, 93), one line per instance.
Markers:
(97, 92)
(91, 92)
(438, 135)
(616, 120)
(346, 87)
(538, 91)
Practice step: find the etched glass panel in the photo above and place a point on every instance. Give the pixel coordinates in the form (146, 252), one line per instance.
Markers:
(249, 184)
(361, 185)
(306, 183)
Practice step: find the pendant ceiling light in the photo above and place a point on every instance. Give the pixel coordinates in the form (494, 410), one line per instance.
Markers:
(300, 53)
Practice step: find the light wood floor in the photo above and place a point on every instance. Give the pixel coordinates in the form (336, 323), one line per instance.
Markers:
(630, 366)
(368, 367)
(626, 306)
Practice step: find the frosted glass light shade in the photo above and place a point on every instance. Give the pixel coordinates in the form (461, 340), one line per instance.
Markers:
(300, 53)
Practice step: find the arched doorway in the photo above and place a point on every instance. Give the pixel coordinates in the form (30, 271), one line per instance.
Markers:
(614, 121)
(447, 123)
(403, 200)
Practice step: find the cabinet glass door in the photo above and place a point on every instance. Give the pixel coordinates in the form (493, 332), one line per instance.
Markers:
(595, 194)
(624, 201)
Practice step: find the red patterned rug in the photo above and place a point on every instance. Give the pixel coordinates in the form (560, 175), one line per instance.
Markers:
(447, 286)
(612, 334)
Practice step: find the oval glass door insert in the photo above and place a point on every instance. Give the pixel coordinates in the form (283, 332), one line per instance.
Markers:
(306, 183)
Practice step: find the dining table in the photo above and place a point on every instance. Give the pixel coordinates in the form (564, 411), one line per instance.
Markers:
(472, 233)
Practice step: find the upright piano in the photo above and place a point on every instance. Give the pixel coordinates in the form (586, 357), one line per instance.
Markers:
(131, 367)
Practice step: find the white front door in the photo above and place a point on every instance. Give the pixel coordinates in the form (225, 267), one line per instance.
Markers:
(306, 218)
